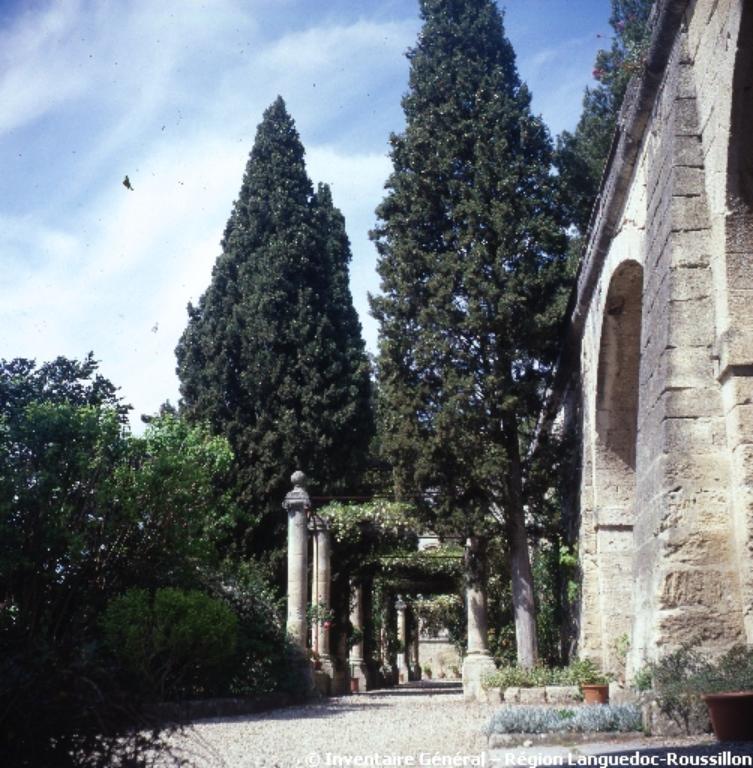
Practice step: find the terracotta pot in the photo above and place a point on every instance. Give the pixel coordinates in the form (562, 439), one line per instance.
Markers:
(731, 715)
(595, 694)
(354, 685)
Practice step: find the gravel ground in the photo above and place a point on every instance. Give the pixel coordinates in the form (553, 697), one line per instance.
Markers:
(416, 718)
(427, 722)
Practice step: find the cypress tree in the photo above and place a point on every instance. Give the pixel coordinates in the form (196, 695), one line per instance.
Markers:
(272, 356)
(581, 155)
(471, 260)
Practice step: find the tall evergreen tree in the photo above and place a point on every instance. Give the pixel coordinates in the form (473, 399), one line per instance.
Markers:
(273, 356)
(581, 155)
(471, 261)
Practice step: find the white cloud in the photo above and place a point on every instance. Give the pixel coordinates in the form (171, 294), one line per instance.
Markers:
(169, 93)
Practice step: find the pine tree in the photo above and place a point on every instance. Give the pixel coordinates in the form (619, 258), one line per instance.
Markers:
(273, 357)
(471, 261)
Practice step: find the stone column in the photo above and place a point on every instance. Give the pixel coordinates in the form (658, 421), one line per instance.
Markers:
(402, 638)
(297, 504)
(414, 644)
(478, 662)
(357, 661)
(321, 589)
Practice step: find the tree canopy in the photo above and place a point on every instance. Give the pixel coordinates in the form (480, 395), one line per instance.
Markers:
(272, 356)
(471, 257)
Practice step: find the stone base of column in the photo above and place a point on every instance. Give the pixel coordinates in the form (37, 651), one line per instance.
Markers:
(322, 682)
(360, 672)
(476, 666)
(300, 665)
(328, 665)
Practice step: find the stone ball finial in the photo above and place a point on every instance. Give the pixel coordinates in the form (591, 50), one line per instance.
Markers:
(298, 479)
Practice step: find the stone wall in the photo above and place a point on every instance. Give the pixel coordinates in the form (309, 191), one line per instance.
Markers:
(441, 655)
(657, 376)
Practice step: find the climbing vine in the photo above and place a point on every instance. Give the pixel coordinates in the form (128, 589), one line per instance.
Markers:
(347, 520)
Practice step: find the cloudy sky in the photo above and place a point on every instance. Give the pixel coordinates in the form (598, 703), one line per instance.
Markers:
(170, 94)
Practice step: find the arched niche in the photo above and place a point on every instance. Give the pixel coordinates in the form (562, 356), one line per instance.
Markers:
(616, 431)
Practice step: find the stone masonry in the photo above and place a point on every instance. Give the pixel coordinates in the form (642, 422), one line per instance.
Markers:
(657, 374)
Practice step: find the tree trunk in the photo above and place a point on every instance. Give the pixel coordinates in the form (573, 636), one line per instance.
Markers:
(524, 606)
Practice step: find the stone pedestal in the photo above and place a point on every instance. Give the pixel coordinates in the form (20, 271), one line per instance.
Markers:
(478, 662)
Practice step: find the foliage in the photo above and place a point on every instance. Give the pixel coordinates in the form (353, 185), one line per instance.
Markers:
(263, 651)
(88, 512)
(471, 259)
(272, 356)
(581, 155)
(437, 562)
(172, 483)
(440, 612)
(680, 679)
(318, 613)
(66, 546)
(595, 718)
(674, 685)
(580, 672)
(178, 642)
(347, 520)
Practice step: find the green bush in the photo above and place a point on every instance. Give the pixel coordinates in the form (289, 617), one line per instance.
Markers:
(262, 660)
(580, 672)
(177, 642)
(681, 677)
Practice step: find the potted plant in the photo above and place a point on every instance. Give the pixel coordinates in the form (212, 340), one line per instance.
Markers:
(593, 683)
(727, 689)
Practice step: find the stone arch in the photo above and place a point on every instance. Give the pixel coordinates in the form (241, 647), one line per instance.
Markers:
(740, 153)
(614, 466)
(735, 344)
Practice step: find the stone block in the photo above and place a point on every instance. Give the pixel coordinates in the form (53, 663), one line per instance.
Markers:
(615, 517)
(690, 249)
(532, 695)
(688, 151)
(476, 668)
(681, 588)
(563, 694)
(511, 695)
(689, 212)
(701, 402)
(691, 323)
(685, 114)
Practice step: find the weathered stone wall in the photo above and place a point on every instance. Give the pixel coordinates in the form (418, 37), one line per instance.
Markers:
(661, 350)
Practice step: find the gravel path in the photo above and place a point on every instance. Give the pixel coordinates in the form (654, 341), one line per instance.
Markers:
(426, 717)
(422, 724)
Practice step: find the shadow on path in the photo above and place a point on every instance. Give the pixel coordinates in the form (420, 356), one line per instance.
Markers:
(421, 688)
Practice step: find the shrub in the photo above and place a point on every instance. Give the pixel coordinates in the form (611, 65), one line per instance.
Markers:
(580, 672)
(586, 719)
(681, 677)
(262, 661)
(176, 642)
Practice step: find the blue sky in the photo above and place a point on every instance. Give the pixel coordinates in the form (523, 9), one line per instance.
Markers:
(170, 93)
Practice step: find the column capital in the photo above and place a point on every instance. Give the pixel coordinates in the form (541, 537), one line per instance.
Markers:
(318, 524)
(298, 498)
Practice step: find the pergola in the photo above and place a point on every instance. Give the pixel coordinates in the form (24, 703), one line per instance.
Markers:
(333, 676)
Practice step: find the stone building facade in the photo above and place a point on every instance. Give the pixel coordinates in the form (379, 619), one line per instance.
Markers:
(656, 379)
